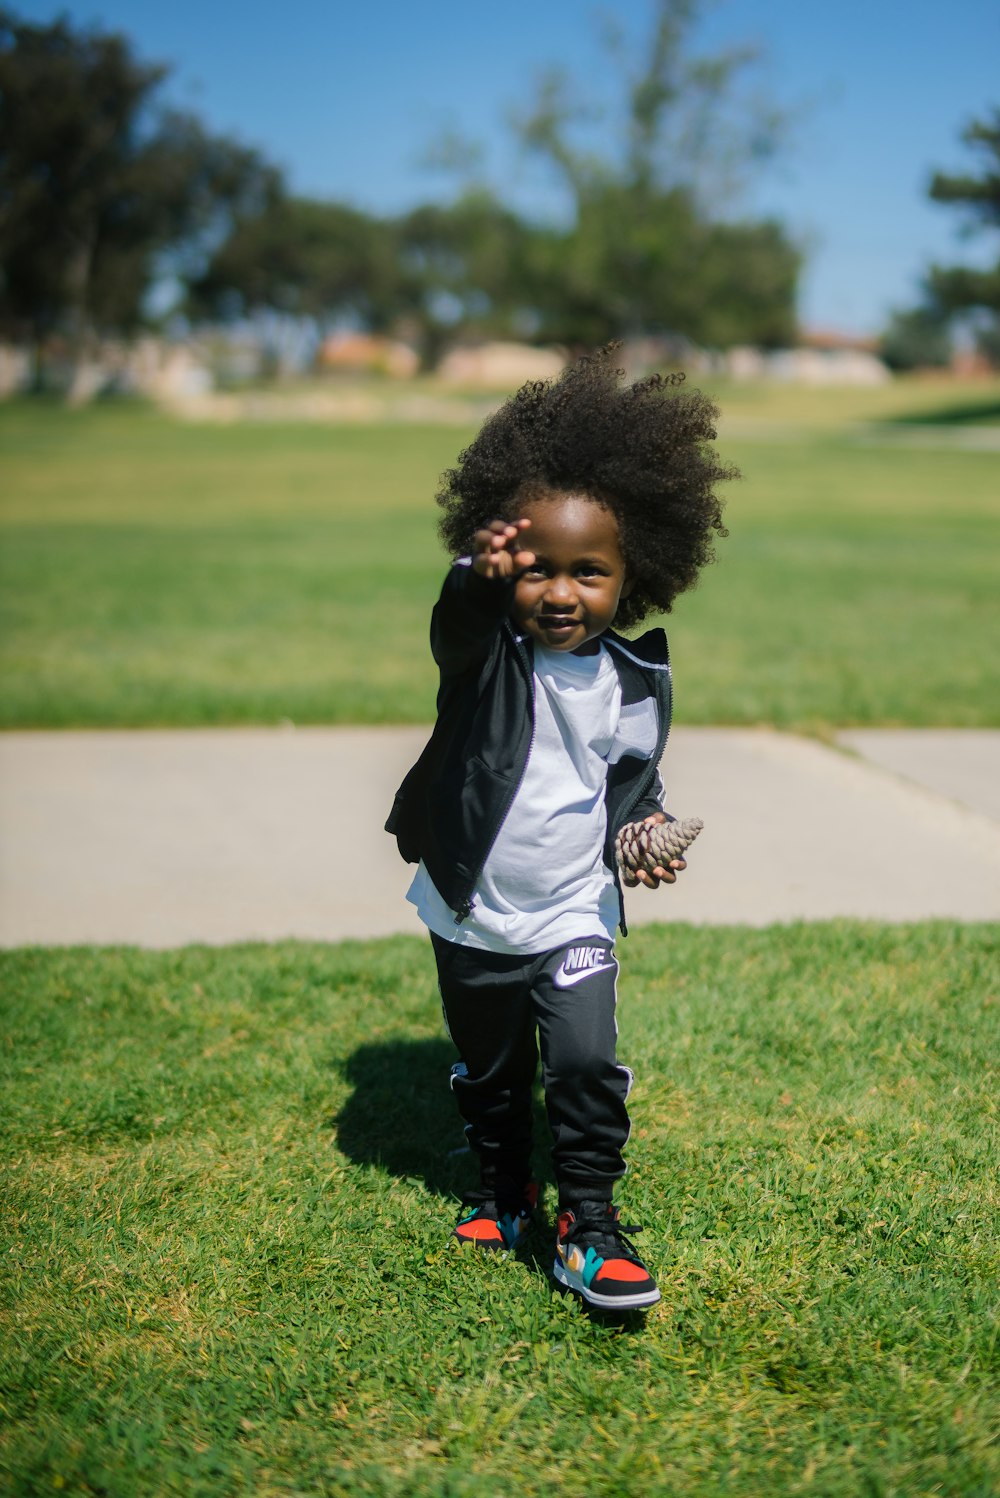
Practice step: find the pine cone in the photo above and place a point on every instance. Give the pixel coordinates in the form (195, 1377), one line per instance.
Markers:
(641, 846)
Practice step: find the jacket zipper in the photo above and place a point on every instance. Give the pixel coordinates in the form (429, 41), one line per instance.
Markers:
(661, 750)
(636, 797)
(465, 908)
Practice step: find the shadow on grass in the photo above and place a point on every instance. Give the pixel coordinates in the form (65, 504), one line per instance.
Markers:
(987, 410)
(402, 1116)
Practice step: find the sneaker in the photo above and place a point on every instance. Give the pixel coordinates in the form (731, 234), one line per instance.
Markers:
(593, 1259)
(481, 1224)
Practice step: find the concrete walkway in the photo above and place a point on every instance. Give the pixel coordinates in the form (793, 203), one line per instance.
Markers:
(168, 837)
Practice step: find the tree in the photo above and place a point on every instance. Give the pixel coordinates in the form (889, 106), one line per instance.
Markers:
(304, 257)
(632, 265)
(676, 118)
(917, 339)
(464, 265)
(648, 248)
(642, 245)
(958, 289)
(100, 187)
(439, 268)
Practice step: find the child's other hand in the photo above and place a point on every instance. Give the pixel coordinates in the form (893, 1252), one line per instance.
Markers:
(669, 874)
(495, 552)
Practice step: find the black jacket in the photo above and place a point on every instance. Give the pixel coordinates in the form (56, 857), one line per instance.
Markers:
(453, 802)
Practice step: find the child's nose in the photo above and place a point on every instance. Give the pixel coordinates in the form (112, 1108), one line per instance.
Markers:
(560, 590)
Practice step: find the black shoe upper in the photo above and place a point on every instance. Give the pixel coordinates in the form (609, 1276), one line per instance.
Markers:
(597, 1225)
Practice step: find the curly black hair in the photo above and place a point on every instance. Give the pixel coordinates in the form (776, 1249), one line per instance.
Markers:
(641, 450)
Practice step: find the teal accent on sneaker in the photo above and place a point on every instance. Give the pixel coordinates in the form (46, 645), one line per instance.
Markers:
(591, 1265)
(482, 1225)
(593, 1258)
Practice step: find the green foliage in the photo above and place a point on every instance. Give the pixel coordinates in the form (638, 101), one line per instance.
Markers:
(637, 261)
(102, 188)
(649, 244)
(747, 274)
(230, 1176)
(652, 246)
(157, 573)
(917, 339)
(98, 183)
(470, 266)
(979, 195)
(960, 290)
(466, 265)
(303, 257)
(667, 116)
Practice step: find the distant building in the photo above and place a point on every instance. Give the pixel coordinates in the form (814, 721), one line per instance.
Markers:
(830, 340)
(822, 357)
(500, 366)
(367, 353)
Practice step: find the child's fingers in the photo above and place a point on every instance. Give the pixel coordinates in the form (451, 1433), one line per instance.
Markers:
(493, 536)
(507, 529)
(494, 539)
(652, 879)
(494, 554)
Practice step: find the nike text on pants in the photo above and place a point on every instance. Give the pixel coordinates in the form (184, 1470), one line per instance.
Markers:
(493, 1005)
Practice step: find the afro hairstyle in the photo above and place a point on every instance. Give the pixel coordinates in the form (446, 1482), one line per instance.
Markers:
(641, 450)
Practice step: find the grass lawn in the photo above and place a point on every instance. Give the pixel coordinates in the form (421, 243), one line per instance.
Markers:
(159, 573)
(230, 1174)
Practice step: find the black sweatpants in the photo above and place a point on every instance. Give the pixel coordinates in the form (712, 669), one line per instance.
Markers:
(493, 1005)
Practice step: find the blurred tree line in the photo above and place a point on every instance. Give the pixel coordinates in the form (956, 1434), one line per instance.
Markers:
(921, 335)
(101, 190)
(642, 248)
(106, 192)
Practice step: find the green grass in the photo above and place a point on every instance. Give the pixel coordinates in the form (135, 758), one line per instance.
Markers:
(229, 1178)
(920, 400)
(159, 573)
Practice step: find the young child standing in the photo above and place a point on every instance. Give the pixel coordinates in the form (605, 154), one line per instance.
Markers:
(583, 505)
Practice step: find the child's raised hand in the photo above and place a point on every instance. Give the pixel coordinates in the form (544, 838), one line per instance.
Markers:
(495, 552)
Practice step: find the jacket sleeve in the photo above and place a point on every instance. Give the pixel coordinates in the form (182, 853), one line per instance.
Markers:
(649, 805)
(466, 618)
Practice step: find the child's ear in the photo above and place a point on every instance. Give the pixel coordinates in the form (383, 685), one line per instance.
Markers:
(627, 585)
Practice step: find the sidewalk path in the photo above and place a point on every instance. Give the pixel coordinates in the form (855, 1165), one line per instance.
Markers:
(962, 764)
(218, 835)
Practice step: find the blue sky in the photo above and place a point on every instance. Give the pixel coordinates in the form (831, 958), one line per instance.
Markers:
(347, 98)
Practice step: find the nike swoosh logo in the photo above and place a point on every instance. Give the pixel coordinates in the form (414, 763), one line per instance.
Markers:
(563, 979)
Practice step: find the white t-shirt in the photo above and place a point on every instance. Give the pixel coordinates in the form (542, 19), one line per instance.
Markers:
(545, 882)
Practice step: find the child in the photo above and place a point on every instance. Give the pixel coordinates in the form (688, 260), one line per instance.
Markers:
(581, 505)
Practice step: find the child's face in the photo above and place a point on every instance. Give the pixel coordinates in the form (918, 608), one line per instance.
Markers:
(570, 594)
